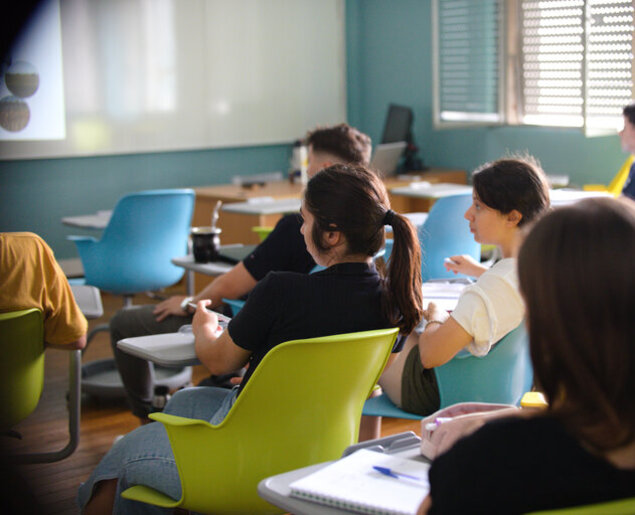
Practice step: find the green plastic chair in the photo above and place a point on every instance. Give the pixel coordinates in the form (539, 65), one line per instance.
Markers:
(617, 507)
(22, 379)
(262, 231)
(503, 376)
(302, 406)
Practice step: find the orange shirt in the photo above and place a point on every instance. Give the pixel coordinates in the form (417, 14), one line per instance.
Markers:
(30, 277)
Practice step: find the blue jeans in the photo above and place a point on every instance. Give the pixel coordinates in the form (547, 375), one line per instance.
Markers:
(144, 456)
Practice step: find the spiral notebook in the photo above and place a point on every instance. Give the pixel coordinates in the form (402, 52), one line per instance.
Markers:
(352, 484)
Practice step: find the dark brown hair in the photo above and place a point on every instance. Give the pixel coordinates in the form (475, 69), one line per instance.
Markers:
(517, 182)
(342, 141)
(577, 275)
(629, 113)
(353, 200)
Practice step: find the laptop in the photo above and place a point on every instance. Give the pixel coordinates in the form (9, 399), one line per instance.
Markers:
(234, 253)
(386, 157)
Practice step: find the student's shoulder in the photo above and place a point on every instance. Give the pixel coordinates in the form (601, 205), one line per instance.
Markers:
(504, 272)
(283, 277)
(25, 242)
(289, 221)
(504, 435)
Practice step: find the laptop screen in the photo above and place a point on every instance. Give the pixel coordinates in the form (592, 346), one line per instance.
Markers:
(387, 156)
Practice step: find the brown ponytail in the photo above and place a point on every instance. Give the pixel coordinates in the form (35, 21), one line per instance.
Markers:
(403, 275)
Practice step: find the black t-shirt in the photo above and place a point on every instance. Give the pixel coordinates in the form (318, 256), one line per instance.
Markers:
(283, 250)
(517, 465)
(287, 306)
(629, 186)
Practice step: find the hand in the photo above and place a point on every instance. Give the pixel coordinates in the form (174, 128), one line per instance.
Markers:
(171, 306)
(433, 312)
(239, 379)
(205, 322)
(460, 420)
(464, 264)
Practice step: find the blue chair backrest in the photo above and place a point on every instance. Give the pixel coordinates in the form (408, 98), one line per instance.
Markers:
(146, 231)
(445, 233)
(502, 376)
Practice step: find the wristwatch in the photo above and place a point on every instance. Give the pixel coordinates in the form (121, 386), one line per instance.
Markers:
(184, 304)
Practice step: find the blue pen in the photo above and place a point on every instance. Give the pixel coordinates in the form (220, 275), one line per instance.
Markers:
(398, 475)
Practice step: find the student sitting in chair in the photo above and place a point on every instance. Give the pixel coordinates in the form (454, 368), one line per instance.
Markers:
(627, 138)
(283, 250)
(577, 276)
(508, 194)
(30, 277)
(348, 296)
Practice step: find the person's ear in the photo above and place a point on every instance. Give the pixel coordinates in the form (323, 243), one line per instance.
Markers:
(332, 238)
(514, 217)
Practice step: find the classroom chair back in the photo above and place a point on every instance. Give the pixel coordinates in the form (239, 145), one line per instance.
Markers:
(22, 379)
(147, 229)
(502, 376)
(615, 507)
(445, 233)
(301, 406)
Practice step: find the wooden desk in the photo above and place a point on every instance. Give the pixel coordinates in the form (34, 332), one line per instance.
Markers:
(237, 226)
(407, 204)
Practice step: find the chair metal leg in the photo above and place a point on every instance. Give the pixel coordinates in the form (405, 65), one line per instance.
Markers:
(74, 409)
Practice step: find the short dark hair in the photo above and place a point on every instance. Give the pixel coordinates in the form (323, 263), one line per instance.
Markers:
(517, 182)
(629, 113)
(342, 141)
(576, 270)
(353, 200)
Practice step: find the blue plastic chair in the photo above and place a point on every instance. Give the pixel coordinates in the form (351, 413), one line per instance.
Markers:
(146, 231)
(235, 305)
(444, 233)
(502, 376)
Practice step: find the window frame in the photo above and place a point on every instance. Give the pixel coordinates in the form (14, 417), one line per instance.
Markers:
(510, 88)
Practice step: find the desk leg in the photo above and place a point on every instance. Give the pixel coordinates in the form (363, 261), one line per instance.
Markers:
(189, 283)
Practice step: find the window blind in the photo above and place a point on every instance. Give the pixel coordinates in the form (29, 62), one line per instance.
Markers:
(609, 66)
(467, 60)
(576, 61)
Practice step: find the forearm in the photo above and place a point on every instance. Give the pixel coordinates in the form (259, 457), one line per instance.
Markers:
(232, 285)
(439, 343)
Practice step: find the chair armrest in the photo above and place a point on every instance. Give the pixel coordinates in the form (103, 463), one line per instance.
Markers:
(173, 420)
(81, 238)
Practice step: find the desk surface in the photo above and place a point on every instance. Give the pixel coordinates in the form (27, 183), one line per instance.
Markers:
(237, 193)
(275, 489)
(432, 191)
(264, 207)
(563, 196)
(212, 268)
(99, 220)
(168, 350)
(88, 299)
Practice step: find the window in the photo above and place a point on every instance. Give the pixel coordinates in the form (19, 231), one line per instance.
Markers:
(566, 63)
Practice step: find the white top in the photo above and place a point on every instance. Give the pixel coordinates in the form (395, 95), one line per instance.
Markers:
(491, 307)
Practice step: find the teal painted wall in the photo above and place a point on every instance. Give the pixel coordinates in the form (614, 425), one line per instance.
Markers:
(388, 60)
(391, 61)
(36, 194)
